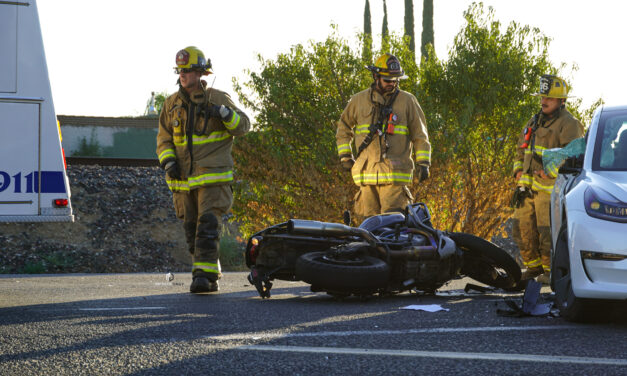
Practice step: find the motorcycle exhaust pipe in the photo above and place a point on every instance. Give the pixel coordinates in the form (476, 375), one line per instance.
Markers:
(303, 226)
(307, 227)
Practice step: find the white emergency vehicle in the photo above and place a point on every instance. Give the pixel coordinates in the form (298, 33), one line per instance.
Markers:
(33, 182)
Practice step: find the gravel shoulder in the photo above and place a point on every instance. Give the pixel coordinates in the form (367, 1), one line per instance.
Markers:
(124, 222)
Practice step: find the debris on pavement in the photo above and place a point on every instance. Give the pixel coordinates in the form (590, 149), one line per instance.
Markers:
(532, 304)
(426, 307)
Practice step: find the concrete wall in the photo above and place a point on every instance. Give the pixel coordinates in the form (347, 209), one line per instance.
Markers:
(109, 137)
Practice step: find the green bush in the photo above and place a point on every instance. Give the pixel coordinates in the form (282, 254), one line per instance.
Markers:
(476, 101)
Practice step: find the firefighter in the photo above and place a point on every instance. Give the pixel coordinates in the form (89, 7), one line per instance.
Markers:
(196, 129)
(552, 127)
(389, 132)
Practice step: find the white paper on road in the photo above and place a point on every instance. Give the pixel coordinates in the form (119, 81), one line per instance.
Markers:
(426, 307)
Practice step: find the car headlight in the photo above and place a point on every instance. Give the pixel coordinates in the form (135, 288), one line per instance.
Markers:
(602, 205)
(590, 255)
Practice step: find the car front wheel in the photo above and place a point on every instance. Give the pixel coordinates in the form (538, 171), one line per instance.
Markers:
(571, 307)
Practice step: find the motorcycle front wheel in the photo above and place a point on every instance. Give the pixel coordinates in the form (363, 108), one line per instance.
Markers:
(485, 262)
(356, 274)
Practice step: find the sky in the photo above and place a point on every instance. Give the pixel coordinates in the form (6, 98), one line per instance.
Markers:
(106, 57)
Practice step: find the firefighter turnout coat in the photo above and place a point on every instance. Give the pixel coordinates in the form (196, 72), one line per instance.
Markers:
(401, 140)
(551, 133)
(201, 145)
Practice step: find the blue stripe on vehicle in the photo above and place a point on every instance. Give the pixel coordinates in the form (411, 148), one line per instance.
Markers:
(51, 182)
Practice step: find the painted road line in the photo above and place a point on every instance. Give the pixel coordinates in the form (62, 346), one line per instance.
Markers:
(442, 354)
(274, 335)
(119, 308)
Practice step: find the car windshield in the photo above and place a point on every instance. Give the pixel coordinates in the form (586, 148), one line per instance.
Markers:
(610, 149)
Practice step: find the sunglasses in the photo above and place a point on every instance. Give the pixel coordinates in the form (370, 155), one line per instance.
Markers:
(183, 70)
(390, 80)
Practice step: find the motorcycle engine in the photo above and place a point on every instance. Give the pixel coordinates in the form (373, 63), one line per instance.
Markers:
(427, 274)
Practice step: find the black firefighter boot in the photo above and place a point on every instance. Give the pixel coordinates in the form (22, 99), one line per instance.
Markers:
(200, 284)
(207, 241)
(203, 284)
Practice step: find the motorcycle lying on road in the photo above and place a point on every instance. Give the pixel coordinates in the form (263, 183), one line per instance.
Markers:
(388, 253)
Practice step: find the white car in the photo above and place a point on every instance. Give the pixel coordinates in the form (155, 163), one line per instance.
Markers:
(589, 220)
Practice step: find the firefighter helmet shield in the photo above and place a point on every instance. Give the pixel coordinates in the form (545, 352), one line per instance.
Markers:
(552, 87)
(387, 65)
(192, 58)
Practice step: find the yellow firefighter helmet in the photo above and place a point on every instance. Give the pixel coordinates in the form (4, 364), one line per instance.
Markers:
(387, 65)
(552, 87)
(191, 58)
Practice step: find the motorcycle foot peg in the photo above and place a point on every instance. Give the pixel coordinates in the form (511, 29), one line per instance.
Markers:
(261, 283)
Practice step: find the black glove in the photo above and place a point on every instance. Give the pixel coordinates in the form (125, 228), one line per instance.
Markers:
(221, 112)
(347, 163)
(518, 197)
(214, 111)
(424, 173)
(173, 170)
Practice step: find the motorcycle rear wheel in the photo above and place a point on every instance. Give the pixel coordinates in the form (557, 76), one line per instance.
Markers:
(485, 262)
(359, 274)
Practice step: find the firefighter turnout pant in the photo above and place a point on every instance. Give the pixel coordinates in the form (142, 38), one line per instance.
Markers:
(201, 211)
(378, 199)
(532, 232)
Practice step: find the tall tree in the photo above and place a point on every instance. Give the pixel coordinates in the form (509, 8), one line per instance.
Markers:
(427, 27)
(367, 51)
(385, 34)
(409, 24)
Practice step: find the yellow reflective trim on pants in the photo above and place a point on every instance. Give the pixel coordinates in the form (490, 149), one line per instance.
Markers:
(382, 178)
(206, 267)
(234, 121)
(533, 263)
(344, 149)
(218, 177)
(518, 165)
(362, 128)
(167, 153)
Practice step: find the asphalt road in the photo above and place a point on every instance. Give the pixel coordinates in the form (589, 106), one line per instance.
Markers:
(142, 324)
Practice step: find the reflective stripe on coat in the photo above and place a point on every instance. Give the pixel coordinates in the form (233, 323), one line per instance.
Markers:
(210, 162)
(407, 138)
(552, 133)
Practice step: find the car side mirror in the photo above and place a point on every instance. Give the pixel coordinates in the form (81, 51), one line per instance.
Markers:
(572, 165)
